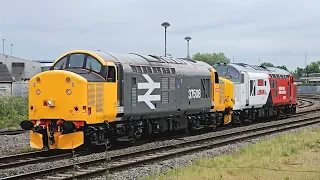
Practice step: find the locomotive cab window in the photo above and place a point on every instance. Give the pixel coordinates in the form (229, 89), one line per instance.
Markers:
(233, 73)
(111, 75)
(216, 77)
(61, 64)
(93, 64)
(76, 60)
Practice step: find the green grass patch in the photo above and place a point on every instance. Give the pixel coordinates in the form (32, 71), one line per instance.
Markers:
(12, 111)
(288, 156)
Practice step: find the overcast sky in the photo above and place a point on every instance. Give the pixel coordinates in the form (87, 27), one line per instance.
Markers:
(279, 32)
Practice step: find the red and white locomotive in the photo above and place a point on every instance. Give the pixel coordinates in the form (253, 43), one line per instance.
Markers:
(259, 92)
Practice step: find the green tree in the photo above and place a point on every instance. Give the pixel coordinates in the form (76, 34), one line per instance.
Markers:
(283, 67)
(312, 68)
(267, 64)
(300, 71)
(211, 59)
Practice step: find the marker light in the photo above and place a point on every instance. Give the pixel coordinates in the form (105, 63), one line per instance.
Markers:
(68, 91)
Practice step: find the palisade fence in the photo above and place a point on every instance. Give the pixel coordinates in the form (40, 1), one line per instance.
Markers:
(308, 89)
(20, 88)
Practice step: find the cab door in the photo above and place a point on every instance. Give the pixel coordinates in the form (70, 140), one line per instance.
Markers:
(110, 93)
(217, 92)
(246, 88)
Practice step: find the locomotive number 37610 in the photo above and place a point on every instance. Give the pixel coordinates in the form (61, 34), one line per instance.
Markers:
(194, 93)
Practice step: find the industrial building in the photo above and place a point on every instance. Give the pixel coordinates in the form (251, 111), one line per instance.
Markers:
(16, 72)
(23, 69)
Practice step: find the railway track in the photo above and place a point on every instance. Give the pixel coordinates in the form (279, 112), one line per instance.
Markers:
(305, 103)
(119, 162)
(46, 156)
(12, 132)
(32, 158)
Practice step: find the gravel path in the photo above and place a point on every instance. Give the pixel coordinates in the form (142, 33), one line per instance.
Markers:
(12, 144)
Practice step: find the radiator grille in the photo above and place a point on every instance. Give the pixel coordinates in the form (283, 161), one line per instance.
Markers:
(165, 97)
(134, 96)
(172, 83)
(165, 83)
(91, 95)
(99, 97)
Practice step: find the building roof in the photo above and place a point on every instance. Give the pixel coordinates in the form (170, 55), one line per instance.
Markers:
(5, 75)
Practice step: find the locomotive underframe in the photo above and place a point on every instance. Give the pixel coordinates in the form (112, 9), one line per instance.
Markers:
(130, 131)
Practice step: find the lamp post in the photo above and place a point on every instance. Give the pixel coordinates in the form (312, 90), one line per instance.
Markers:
(11, 49)
(188, 39)
(3, 46)
(165, 25)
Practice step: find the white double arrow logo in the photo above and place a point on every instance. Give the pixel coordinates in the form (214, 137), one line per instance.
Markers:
(147, 97)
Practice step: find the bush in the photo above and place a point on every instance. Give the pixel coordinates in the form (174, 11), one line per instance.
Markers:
(12, 111)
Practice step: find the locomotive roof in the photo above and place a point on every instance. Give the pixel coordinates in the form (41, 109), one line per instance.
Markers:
(181, 65)
(256, 68)
(275, 70)
(139, 59)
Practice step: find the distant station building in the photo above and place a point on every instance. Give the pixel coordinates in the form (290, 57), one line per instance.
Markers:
(23, 69)
(311, 78)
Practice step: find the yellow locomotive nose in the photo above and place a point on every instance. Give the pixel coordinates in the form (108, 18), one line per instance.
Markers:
(57, 99)
(51, 99)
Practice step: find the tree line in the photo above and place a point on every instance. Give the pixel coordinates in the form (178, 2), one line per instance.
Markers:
(214, 58)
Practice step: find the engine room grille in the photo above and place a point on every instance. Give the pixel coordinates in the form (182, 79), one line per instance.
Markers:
(165, 97)
(99, 98)
(134, 96)
(91, 95)
(165, 83)
(172, 83)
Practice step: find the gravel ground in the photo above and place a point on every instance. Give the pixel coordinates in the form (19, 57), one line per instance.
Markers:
(13, 144)
(162, 167)
(21, 143)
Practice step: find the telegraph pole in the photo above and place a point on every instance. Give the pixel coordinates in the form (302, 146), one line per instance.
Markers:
(3, 46)
(305, 59)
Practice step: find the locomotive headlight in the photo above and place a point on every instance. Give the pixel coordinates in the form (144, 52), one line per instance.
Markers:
(50, 103)
(38, 91)
(68, 91)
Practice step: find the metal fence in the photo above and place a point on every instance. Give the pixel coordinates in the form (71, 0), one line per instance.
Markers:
(20, 89)
(308, 89)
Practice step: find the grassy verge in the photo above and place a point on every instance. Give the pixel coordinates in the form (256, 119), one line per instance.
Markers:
(12, 111)
(288, 156)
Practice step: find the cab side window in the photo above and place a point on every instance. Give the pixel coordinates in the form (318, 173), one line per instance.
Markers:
(61, 64)
(111, 75)
(93, 64)
(216, 78)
